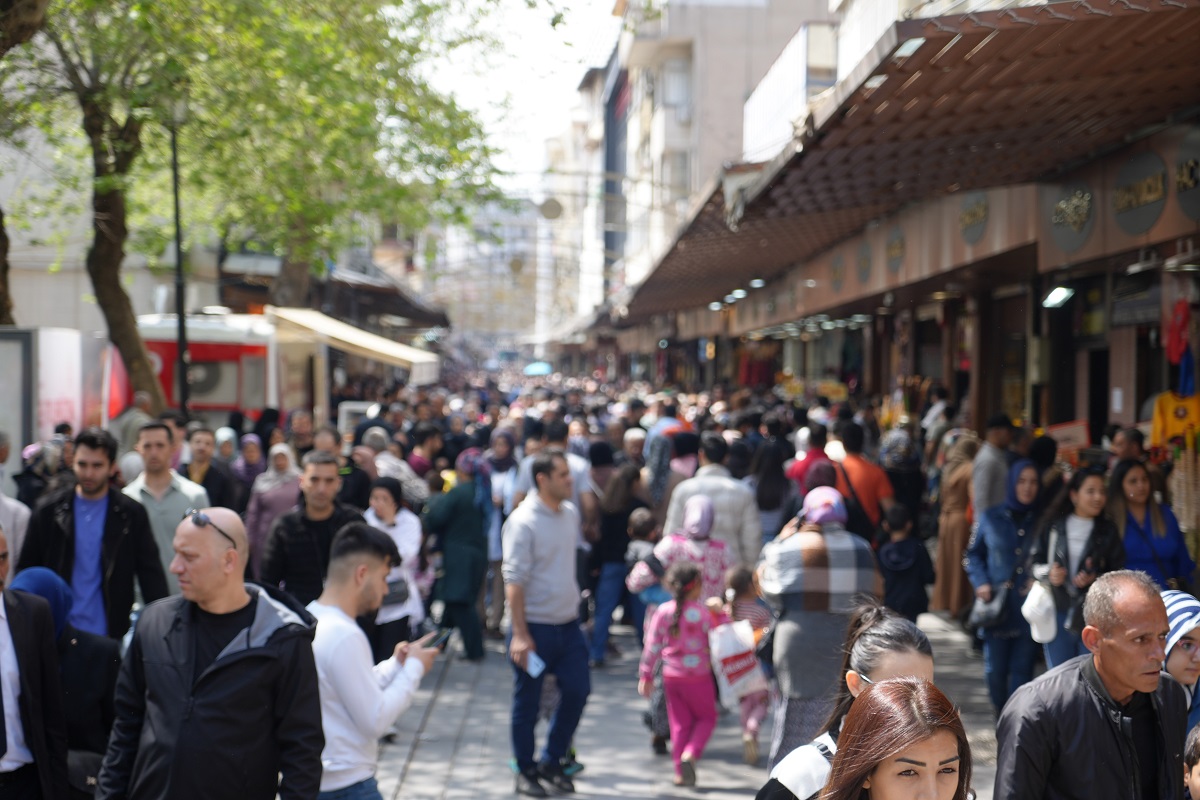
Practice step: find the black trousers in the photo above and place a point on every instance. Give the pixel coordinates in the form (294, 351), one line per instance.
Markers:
(21, 784)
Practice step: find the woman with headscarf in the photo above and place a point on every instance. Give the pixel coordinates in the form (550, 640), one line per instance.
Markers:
(691, 543)
(995, 559)
(951, 590)
(227, 445)
(658, 479)
(402, 609)
(88, 664)
(460, 518)
(250, 463)
(810, 575)
(502, 466)
(901, 460)
(274, 493)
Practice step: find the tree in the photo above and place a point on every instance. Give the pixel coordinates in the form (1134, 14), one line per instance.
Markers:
(304, 112)
(19, 21)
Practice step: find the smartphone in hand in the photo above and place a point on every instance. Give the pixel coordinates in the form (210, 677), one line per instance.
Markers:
(534, 665)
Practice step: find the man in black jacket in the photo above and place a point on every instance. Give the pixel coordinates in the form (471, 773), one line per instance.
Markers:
(1108, 724)
(296, 554)
(218, 693)
(103, 526)
(209, 473)
(33, 731)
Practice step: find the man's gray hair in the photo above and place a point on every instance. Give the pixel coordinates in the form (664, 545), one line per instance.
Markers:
(376, 438)
(1098, 606)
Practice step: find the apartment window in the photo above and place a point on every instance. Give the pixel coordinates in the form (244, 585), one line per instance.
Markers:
(677, 83)
(675, 172)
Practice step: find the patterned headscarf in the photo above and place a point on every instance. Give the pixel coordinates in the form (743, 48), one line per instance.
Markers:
(472, 465)
(824, 504)
(244, 470)
(697, 517)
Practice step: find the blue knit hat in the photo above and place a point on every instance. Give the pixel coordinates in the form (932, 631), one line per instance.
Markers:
(1183, 615)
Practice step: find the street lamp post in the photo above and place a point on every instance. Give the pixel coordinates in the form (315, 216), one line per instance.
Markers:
(178, 117)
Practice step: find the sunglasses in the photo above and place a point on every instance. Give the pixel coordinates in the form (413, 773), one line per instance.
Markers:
(202, 520)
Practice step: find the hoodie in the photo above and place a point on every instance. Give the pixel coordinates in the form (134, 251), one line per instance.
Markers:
(906, 569)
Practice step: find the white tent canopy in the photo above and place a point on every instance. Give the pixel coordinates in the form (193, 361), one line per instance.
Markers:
(422, 366)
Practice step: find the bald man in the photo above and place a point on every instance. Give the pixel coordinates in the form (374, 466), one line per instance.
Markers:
(223, 678)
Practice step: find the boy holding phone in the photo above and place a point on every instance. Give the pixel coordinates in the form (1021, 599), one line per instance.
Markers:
(359, 700)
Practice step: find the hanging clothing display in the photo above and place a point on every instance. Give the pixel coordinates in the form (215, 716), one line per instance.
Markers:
(1174, 415)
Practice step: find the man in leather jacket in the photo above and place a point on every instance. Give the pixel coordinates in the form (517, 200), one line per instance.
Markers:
(1108, 724)
(217, 696)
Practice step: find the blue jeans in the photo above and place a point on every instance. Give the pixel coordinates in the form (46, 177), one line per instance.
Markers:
(639, 617)
(1065, 645)
(563, 649)
(363, 790)
(1007, 664)
(609, 586)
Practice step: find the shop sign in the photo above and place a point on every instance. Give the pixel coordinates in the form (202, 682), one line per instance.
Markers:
(1141, 193)
(1187, 175)
(1071, 218)
(973, 218)
(894, 252)
(1071, 438)
(864, 262)
(837, 272)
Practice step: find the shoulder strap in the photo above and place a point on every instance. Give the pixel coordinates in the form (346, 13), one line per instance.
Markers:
(1149, 543)
(824, 750)
(853, 493)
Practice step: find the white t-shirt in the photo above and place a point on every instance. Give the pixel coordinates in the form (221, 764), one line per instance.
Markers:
(1079, 530)
(406, 533)
(359, 702)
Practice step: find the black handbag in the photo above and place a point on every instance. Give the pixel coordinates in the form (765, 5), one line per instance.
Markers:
(397, 593)
(991, 613)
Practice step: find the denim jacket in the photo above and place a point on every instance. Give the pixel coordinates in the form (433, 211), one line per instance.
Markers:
(998, 553)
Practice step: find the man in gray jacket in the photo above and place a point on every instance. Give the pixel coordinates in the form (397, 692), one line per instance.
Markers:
(989, 473)
(543, 599)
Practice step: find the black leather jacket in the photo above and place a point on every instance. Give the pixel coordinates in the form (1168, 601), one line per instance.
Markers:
(1063, 737)
(128, 550)
(1104, 547)
(253, 714)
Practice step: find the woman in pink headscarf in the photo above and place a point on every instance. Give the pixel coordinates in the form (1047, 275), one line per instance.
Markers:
(691, 543)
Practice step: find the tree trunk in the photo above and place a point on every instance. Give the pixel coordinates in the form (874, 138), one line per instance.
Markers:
(6, 316)
(19, 21)
(290, 288)
(104, 257)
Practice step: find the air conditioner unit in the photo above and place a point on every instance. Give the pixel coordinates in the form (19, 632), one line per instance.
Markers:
(213, 383)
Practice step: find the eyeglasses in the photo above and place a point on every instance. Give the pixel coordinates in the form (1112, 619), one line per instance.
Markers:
(865, 679)
(201, 520)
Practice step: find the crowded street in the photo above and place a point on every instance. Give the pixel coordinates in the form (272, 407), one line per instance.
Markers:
(615, 399)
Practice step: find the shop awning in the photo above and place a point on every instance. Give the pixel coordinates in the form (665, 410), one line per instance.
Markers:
(422, 366)
(942, 105)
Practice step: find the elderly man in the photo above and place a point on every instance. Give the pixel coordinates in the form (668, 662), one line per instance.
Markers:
(1105, 720)
(388, 465)
(218, 692)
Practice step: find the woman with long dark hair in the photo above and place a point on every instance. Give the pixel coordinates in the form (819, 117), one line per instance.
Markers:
(608, 555)
(1076, 544)
(902, 739)
(1148, 529)
(773, 490)
(879, 645)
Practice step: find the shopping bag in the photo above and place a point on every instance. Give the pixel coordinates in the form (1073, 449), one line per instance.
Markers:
(734, 661)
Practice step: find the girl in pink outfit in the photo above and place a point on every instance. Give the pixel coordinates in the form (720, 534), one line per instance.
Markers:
(678, 637)
(690, 543)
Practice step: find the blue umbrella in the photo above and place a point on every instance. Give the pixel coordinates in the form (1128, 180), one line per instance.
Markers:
(538, 368)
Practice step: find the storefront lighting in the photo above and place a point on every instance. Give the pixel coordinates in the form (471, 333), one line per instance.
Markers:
(1148, 259)
(1058, 296)
(714, 305)
(730, 298)
(1186, 260)
(757, 283)
(738, 293)
(828, 325)
(810, 284)
(841, 323)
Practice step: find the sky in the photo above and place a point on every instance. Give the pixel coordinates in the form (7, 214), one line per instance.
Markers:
(525, 93)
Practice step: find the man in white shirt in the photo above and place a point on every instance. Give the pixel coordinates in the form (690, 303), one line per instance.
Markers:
(33, 730)
(359, 702)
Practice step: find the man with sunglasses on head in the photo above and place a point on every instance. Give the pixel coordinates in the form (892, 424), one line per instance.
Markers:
(97, 540)
(218, 692)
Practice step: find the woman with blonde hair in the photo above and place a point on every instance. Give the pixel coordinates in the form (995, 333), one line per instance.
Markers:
(952, 590)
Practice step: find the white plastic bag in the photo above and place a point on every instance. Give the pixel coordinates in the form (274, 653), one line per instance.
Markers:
(731, 646)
